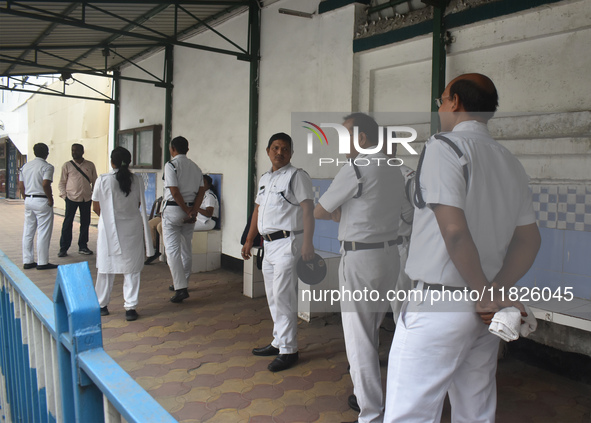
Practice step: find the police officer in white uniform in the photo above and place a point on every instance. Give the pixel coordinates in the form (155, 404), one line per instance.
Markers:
(283, 215)
(35, 183)
(183, 193)
(367, 202)
(209, 211)
(476, 229)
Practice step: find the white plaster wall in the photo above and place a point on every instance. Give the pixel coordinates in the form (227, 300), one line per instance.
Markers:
(143, 104)
(539, 61)
(306, 65)
(60, 122)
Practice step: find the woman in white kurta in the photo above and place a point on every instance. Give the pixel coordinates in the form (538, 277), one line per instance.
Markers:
(118, 198)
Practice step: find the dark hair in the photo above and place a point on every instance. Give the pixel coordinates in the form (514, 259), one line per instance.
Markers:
(475, 98)
(367, 125)
(121, 157)
(211, 185)
(41, 150)
(180, 144)
(80, 146)
(280, 136)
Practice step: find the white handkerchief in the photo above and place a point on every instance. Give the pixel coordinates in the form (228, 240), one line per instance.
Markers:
(507, 325)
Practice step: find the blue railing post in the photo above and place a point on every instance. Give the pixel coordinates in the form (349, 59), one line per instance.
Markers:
(78, 327)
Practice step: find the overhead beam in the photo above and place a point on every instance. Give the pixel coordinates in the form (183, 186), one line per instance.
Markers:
(79, 24)
(57, 70)
(5, 88)
(44, 35)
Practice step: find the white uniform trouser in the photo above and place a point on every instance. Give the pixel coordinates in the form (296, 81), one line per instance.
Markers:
(404, 283)
(371, 271)
(178, 237)
(438, 349)
(131, 289)
(207, 226)
(281, 286)
(38, 217)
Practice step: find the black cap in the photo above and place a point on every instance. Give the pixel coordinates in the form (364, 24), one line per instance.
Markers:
(311, 272)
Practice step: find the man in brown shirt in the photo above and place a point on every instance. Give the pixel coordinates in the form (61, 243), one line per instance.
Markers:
(75, 188)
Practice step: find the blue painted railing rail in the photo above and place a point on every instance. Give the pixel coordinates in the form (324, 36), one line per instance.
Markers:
(53, 366)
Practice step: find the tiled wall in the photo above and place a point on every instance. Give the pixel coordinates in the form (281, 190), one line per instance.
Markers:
(563, 213)
(564, 216)
(325, 232)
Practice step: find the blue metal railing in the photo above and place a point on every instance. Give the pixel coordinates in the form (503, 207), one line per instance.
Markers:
(52, 362)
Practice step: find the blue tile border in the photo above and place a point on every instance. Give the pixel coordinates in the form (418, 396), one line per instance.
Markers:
(563, 206)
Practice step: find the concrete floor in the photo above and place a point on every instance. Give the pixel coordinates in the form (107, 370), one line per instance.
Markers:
(194, 358)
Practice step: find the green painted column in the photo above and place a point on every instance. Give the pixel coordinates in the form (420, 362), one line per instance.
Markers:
(438, 60)
(253, 102)
(169, 67)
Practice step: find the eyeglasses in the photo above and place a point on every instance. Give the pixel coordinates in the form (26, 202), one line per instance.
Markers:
(439, 101)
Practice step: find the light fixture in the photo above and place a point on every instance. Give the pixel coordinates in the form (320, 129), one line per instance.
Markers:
(65, 76)
(296, 13)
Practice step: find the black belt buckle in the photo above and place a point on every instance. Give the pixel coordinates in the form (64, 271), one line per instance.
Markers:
(276, 235)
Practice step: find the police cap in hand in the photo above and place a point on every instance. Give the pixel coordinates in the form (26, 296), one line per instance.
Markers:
(311, 272)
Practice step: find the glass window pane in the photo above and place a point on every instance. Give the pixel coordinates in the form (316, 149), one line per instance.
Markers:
(126, 141)
(144, 148)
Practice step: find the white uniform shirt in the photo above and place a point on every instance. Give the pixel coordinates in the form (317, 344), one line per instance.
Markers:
(374, 216)
(209, 200)
(33, 174)
(183, 173)
(406, 214)
(277, 213)
(498, 200)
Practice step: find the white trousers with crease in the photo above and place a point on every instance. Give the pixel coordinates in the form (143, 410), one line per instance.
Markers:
(364, 271)
(438, 349)
(131, 289)
(38, 218)
(281, 287)
(178, 237)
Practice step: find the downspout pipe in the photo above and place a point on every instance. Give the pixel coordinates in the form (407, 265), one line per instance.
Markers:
(169, 68)
(253, 103)
(116, 106)
(438, 60)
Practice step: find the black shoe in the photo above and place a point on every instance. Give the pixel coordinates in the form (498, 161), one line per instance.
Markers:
(283, 362)
(62, 254)
(266, 351)
(179, 295)
(171, 288)
(85, 251)
(150, 259)
(29, 265)
(104, 311)
(131, 315)
(47, 266)
(352, 401)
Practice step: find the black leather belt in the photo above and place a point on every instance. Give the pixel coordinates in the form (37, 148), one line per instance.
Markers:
(173, 203)
(439, 287)
(35, 196)
(279, 235)
(354, 246)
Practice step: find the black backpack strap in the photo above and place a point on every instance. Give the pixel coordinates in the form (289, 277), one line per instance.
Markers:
(418, 197)
(80, 170)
